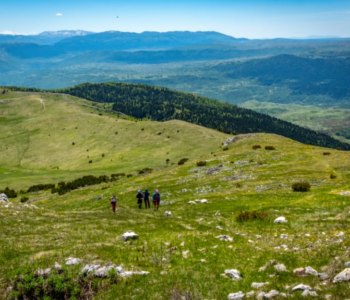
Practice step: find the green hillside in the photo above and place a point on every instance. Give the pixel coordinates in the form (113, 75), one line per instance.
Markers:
(162, 104)
(39, 129)
(182, 253)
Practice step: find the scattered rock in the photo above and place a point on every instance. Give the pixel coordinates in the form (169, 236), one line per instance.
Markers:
(261, 295)
(204, 201)
(129, 235)
(284, 236)
(71, 261)
(203, 260)
(130, 273)
(306, 293)
(98, 198)
(234, 274)
(271, 294)
(225, 238)
(57, 266)
(250, 294)
(89, 269)
(185, 253)
(301, 287)
(323, 276)
(237, 138)
(43, 272)
(217, 214)
(269, 264)
(235, 296)
(258, 285)
(281, 268)
(283, 295)
(311, 271)
(184, 190)
(347, 264)
(340, 234)
(168, 213)
(219, 227)
(280, 220)
(299, 272)
(103, 271)
(4, 198)
(342, 276)
(191, 202)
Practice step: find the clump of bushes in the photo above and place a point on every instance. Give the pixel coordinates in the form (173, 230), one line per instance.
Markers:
(118, 175)
(129, 175)
(64, 188)
(326, 153)
(225, 149)
(238, 185)
(244, 216)
(24, 199)
(201, 163)
(103, 155)
(90, 161)
(9, 193)
(182, 161)
(333, 176)
(270, 148)
(256, 147)
(145, 170)
(40, 187)
(302, 186)
(73, 144)
(167, 160)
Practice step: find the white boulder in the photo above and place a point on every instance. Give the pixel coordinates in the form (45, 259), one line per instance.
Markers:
(280, 220)
(129, 235)
(235, 296)
(234, 274)
(3, 197)
(225, 238)
(71, 261)
(342, 276)
(258, 285)
(301, 287)
(204, 201)
(168, 213)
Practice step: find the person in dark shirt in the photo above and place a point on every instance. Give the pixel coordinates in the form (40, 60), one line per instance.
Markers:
(146, 194)
(139, 197)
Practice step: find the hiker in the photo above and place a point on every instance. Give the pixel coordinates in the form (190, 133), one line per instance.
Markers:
(146, 194)
(114, 201)
(139, 197)
(156, 199)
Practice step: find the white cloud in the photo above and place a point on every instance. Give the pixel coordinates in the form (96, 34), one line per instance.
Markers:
(59, 15)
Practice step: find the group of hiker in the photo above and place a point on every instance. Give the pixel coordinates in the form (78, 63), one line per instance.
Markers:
(141, 197)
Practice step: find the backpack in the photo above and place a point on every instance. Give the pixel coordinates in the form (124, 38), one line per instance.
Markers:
(139, 195)
(156, 196)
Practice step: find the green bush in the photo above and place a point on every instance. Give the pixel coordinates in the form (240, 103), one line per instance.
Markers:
(201, 163)
(256, 147)
(326, 153)
(182, 161)
(24, 199)
(225, 149)
(129, 175)
(90, 161)
(167, 160)
(244, 216)
(333, 176)
(9, 193)
(40, 187)
(238, 185)
(302, 186)
(270, 148)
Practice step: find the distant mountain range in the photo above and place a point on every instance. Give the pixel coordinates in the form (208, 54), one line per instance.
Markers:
(46, 37)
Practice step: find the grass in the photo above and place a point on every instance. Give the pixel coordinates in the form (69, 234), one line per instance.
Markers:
(73, 225)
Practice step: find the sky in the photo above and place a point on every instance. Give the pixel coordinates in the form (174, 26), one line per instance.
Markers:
(244, 18)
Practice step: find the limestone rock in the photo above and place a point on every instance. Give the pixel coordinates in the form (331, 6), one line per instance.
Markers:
(57, 266)
(281, 268)
(4, 198)
(43, 272)
(71, 261)
(235, 296)
(347, 264)
(306, 293)
(250, 294)
(234, 274)
(299, 272)
(258, 285)
(340, 234)
(301, 287)
(342, 276)
(131, 273)
(280, 220)
(103, 271)
(168, 213)
(191, 202)
(271, 294)
(225, 238)
(261, 295)
(323, 276)
(311, 271)
(283, 295)
(129, 236)
(89, 269)
(217, 214)
(237, 137)
(204, 201)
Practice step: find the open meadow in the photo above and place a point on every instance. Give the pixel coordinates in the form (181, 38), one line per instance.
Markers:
(182, 252)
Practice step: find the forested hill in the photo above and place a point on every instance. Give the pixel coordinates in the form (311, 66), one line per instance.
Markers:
(162, 104)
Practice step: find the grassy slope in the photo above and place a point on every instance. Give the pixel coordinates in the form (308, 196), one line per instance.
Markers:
(329, 120)
(38, 131)
(73, 225)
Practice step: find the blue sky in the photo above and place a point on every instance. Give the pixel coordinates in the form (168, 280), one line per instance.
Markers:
(249, 18)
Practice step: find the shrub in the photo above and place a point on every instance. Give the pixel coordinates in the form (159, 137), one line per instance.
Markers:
(302, 186)
(142, 129)
(251, 216)
(116, 132)
(22, 192)
(90, 161)
(167, 160)
(9, 193)
(238, 185)
(129, 175)
(225, 149)
(251, 160)
(40, 187)
(24, 199)
(326, 153)
(232, 162)
(270, 148)
(182, 161)
(103, 155)
(118, 175)
(201, 163)
(256, 147)
(333, 176)
(145, 170)
(73, 144)
(168, 136)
